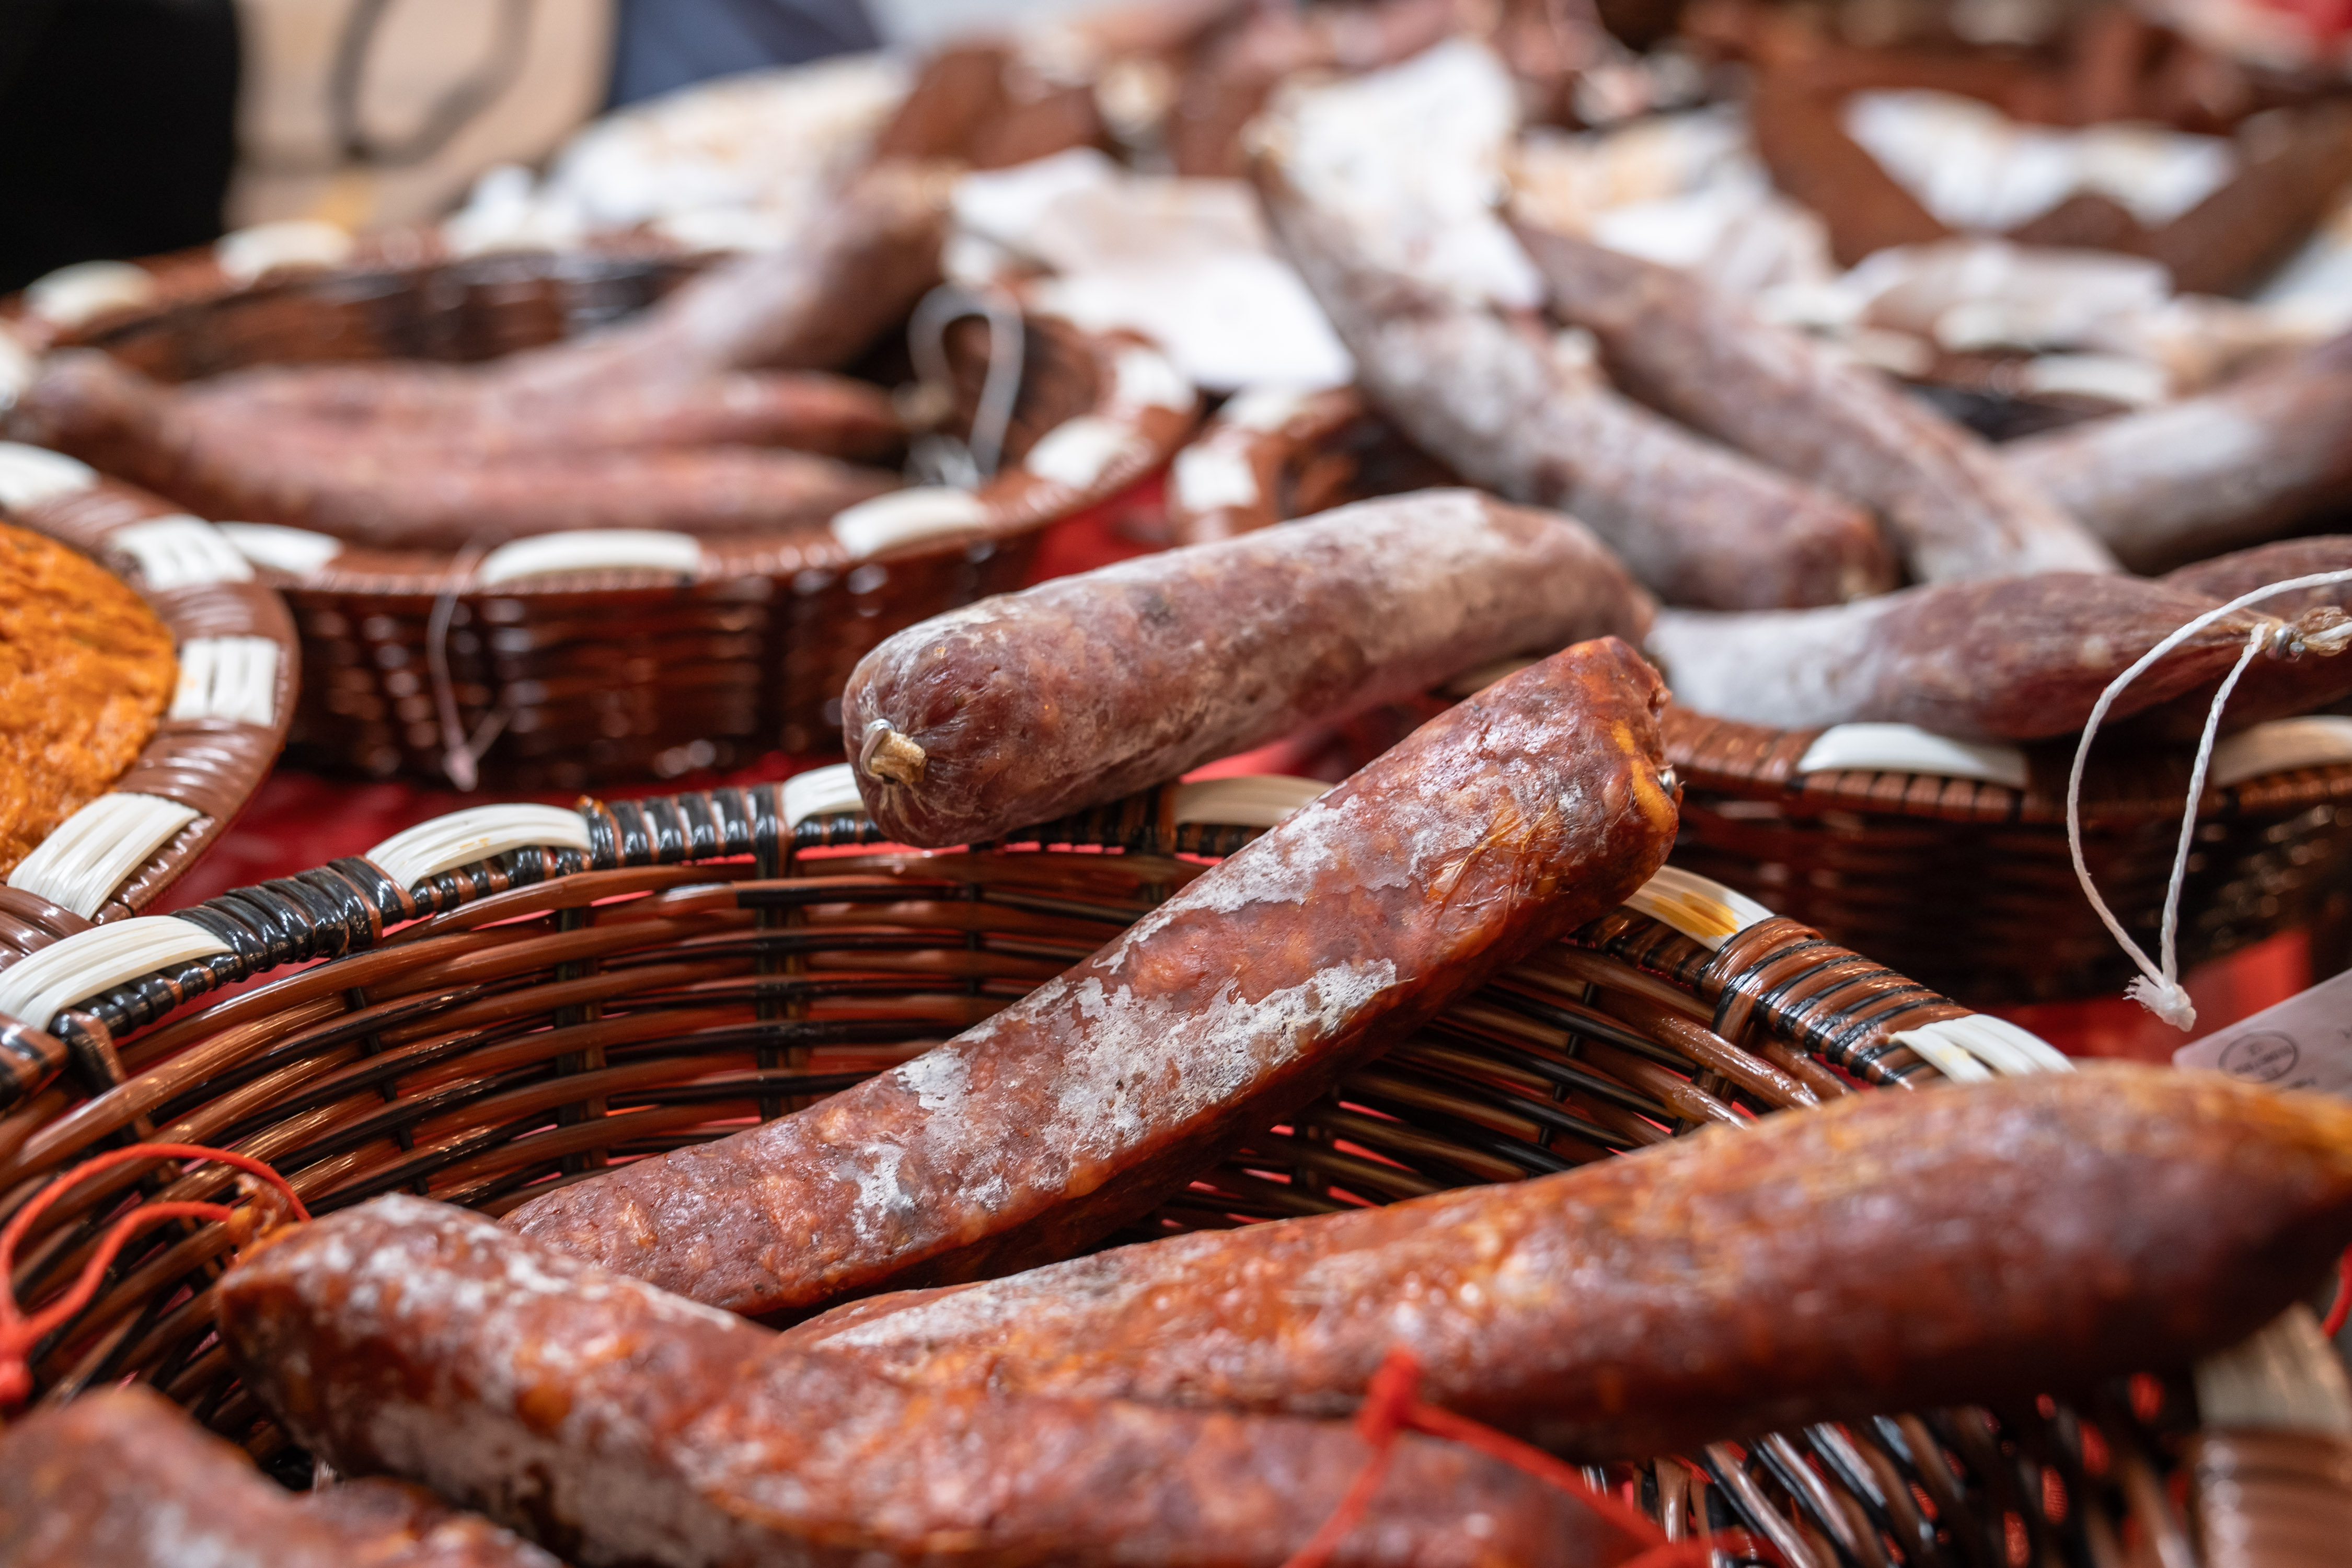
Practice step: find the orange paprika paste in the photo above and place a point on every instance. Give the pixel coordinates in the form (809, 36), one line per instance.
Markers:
(86, 670)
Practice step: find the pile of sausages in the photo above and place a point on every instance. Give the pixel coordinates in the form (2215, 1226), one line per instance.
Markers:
(1772, 493)
(717, 411)
(1180, 1401)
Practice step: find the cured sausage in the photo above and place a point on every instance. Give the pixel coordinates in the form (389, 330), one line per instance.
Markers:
(1023, 707)
(1884, 1252)
(1697, 522)
(2300, 678)
(618, 1424)
(813, 304)
(1677, 344)
(123, 1478)
(381, 493)
(1535, 805)
(2008, 658)
(2231, 468)
(810, 411)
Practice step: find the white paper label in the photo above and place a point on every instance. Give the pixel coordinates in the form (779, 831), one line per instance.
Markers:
(2304, 1042)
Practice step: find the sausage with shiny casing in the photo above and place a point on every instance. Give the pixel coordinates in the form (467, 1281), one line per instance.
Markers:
(1537, 805)
(1675, 342)
(121, 1477)
(617, 1423)
(1697, 522)
(1885, 1252)
(1020, 708)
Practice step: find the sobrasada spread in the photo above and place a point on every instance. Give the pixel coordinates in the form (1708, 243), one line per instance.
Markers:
(84, 672)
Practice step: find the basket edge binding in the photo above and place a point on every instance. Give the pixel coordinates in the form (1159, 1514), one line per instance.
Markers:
(61, 1004)
(239, 675)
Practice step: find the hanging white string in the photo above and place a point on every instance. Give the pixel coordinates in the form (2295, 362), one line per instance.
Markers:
(2159, 988)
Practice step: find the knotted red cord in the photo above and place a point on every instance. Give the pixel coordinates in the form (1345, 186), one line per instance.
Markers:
(2333, 1324)
(1391, 1408)
(18, 1333)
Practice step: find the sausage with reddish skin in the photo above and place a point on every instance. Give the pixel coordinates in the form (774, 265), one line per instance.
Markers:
(618, 1424)
(2297, 677)
(1674, 341)
(2011, 659)
(350, 484)
(1697, 522)
(121, 1477)
(2231, 468)
(809, 411)
(1534, 806)
(1886, 1252)
(813, 304)
(1029, 705)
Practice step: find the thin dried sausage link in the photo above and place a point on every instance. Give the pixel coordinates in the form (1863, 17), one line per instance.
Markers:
(617, 1423)
(1884, 1252)
(1529, 809)
(1696, 522)
(1020, 709)
(1674, 341)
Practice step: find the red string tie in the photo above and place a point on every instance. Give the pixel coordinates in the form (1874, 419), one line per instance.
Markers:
(1391, 1408)
(20, 1334)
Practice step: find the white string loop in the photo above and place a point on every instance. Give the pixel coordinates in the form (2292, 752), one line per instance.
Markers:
(2157, 987)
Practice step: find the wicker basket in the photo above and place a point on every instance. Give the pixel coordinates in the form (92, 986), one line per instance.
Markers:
(239, 668)
(1968, 884)
(635, 977)
(440, 666)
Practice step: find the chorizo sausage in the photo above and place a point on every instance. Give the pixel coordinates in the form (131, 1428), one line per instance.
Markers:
(1533, 807)
(123, 1478)
(813, 304)
(2013, 658)
(380, 492)
(1697, 522)
(1884, 1252)
(1023, 707)
(809, 411)
(617, 1423)
(1677, 344)
(2231, 468)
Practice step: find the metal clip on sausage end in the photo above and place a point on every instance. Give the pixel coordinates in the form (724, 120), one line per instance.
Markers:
(886, 754)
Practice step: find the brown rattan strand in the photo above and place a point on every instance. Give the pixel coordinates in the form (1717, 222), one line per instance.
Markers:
(526, 1020)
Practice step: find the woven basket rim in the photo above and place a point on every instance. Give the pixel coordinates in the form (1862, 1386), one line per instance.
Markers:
(261, 613)
(1760, 762)
(1016, 502)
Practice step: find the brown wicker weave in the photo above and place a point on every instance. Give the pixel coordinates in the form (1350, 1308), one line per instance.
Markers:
(210, 765)
(546, 1012)
(1970, 886)
(566, 680)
